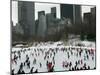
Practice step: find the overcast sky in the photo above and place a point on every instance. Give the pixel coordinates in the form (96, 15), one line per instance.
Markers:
(47, 8)
(40, 7)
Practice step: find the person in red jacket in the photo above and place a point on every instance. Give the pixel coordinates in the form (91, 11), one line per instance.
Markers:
(49, 66)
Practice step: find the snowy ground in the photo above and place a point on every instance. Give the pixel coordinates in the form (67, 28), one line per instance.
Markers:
(58, 54)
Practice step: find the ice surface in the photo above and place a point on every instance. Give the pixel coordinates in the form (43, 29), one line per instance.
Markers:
(49, 50)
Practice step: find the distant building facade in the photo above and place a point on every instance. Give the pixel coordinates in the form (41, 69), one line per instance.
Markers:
(19, 29)
(41, 13)
(42, 26)
(90, 17)
(73, 12)
(77, 14)
(53, 11)
(93, 11)
(87, 18)
(67, 11)
(26, 17)
(49, 18)
(90, 21)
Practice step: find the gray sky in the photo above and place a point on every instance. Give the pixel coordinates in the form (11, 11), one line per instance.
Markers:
(47, 8)
(39, 7)
(14, 12)
(86, 9)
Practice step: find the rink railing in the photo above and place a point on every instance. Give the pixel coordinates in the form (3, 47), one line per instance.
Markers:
(48, 47)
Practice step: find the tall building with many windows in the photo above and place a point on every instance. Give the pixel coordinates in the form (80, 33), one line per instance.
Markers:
(53, 11)
(42, 26)
(26, 17)
(72, 12)
(67, 11)
(77, 14)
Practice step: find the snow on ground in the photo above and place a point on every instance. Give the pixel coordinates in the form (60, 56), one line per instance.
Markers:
(56, 53)
(78, 42)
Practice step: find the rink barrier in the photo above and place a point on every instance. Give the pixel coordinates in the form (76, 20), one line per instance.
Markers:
(48, 47)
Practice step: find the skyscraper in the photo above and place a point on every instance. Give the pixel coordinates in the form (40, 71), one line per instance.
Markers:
(26, 17)
(72, 12)
(77, 14)
(49, 18)
(41, 13)
(53, 11)
(67, 11)
(42, 26)
(93, 11)
(87, 18)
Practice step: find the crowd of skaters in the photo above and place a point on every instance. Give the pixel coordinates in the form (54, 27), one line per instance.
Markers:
(48, 54)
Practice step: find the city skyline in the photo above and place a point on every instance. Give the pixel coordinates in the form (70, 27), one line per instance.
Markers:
(43, 7)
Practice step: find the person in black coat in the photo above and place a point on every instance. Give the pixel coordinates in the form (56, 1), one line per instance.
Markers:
(36, 71)
(31, 71)
(21, 71)
(12, 73)
(28, 64)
